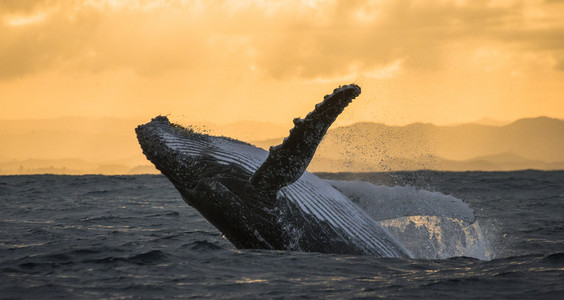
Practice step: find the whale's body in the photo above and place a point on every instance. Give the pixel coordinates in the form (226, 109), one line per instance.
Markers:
(214, 175)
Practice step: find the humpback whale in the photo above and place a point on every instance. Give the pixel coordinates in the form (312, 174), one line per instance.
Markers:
(264, 199)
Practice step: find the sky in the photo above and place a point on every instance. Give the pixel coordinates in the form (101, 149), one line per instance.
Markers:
(443, 62)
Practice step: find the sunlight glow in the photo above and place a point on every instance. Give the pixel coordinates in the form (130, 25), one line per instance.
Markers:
(26, 20)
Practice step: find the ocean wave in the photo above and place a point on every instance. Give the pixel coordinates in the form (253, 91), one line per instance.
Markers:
(202, 246)
(555, 258)
(144, 258)
(149, 257)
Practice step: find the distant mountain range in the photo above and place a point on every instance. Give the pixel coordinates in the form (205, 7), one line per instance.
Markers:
(536, 143)
(76, 145)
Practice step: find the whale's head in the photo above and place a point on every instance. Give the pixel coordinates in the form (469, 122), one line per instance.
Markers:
(212, 175)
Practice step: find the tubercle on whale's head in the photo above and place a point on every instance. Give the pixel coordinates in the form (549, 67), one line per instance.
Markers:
(183, 130)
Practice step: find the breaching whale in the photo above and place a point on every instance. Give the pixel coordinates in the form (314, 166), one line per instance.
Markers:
(264, 199)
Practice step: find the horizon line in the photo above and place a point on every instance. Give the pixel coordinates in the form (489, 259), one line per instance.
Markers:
(480, 121)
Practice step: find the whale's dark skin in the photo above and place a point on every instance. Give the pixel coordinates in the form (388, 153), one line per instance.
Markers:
(261, 200)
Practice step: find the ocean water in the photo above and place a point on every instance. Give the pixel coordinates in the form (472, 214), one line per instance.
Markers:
(113, 237)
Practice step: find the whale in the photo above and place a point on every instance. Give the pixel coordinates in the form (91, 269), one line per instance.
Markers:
(261, 199)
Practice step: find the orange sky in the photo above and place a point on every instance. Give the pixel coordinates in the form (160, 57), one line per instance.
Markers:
(222, 61)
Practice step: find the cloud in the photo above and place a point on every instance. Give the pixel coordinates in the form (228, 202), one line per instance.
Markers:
(301, 39)
(51, 42)
(91, 38)
(559, 66)
(373, 34)
(23, 6)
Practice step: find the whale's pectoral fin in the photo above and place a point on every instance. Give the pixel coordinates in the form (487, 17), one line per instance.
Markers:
(288, 161)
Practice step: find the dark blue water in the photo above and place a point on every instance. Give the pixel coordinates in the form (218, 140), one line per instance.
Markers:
(75, 237)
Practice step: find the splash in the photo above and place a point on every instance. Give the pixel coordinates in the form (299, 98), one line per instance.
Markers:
(430, 225)
(433, 237)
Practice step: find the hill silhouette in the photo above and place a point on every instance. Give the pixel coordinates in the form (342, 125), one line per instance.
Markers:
(75, 145)
(535, 143)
